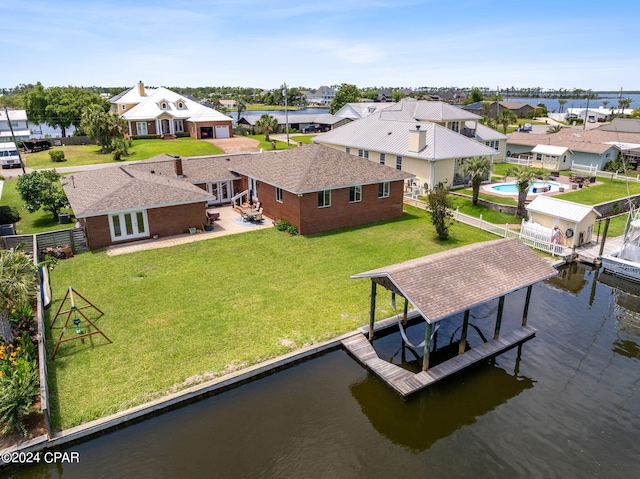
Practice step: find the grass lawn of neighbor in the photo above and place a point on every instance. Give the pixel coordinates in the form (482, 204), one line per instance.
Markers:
(182, 315)
(80, 155)
(267, 146)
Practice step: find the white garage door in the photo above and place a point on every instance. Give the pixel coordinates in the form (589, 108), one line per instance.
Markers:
(222, 131)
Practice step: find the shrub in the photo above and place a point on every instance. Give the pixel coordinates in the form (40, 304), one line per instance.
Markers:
(145, 137)
(57, 156)
(184, 134)
(292, 230)
(283, 225)
(8, 214)
(18, 390)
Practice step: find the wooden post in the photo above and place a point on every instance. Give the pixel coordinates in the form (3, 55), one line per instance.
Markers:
(526, 306)
(427, 345)
(463, 337)
(604, 236)
(372, 309)
(496, 333)
(406, 309)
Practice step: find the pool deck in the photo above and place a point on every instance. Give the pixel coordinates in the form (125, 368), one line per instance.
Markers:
(405, 382)
(562, 180)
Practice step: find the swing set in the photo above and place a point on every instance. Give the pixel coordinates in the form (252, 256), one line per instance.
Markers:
(75, 311)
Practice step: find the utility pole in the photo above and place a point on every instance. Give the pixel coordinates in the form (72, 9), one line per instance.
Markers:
(286, 112)
(13, 136)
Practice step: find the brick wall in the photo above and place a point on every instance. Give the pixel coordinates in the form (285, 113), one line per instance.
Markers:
(167, 221)
(305, 214)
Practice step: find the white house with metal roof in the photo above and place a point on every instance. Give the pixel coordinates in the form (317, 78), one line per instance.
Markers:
(16, 119)
(431, 140)
(575, 222)
(164, 113)
(355, 111)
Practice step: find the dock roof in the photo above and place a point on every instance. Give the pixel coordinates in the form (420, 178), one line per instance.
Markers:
(443, 284)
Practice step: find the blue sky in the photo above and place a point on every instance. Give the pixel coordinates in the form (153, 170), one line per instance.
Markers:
(550, 44)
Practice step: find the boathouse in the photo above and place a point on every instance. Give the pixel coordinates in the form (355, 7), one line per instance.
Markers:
(441, 285)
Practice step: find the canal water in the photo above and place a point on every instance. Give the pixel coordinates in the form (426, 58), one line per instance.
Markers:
(564, 405)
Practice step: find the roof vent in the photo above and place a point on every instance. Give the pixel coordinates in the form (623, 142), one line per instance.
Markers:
(417, 127)
(228, 159)
(153, 172)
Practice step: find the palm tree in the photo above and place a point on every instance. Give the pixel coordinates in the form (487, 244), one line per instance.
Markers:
(554, 129)
(478, 169)
(624, 103)
(523, 176)
(505, 118)
(241, 105)
(17, 286)
(267, 123)
(562, 102)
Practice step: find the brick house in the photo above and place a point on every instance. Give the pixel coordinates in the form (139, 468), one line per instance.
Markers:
(314, 187)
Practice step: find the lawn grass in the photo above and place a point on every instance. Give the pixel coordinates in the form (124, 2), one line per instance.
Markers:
(503, 200)
(266, 145)
(185, 314)
(617, 224)
(303, 138)
(80, 155)
(30, 223)
(492, 216)
(607, 191)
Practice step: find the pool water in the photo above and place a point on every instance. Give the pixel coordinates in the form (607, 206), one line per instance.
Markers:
(512, 188)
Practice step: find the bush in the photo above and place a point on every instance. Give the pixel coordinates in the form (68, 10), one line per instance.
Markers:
(145, 137)
(18, 390)
(283, 225)
(57, 156)
(184, 134)
(8, 214)
(292, 230)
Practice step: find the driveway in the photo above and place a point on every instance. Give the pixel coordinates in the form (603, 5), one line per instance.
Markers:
(236, 144)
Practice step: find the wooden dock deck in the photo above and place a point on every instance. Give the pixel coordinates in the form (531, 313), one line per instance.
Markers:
(406, 382)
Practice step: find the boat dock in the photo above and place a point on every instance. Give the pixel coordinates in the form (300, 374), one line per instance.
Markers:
(405, 382)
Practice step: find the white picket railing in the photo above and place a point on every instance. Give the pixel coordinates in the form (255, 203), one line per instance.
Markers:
(591, 170)
(518, 160)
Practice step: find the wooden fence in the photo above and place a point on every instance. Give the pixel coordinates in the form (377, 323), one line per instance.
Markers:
(75, 238)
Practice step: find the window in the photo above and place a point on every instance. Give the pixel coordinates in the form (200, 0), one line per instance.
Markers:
(398, 162)
(128, 225)
(455, 126)
(164, 106)
(178, 126)
(383, 189)
(324, 198)
(539, 156)
(363, 154)
(124, 107)
(355, 194)
(347, 150)
(383, 158)
(141, 128)
(279, 195)
(181, 105)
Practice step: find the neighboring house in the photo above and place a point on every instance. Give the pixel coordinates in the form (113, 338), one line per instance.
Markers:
(228, 103)
(297, 121)
(322, 96)
(521, 110)
(18, 121)
(454, 96)
(549, 157)
(313, 187)
(384, 96)
(165, 114)
(431, 140)
(592, 148)
(595, 115)
(622, 125)
(575, 221)
(355, 111)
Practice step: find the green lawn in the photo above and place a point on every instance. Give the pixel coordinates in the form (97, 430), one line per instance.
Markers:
(182, 315)
(29, 223)
(79, 155)
(266, 145)
(303, 138)
(503, 200)
(496, 217)
(607, 191)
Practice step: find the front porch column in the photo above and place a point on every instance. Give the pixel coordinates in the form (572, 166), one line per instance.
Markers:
(526, 306)
(463, 336)
(372, 309)
(496, 333)
(427, 346)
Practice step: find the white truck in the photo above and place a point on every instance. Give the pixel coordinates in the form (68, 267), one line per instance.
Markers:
(9, 155)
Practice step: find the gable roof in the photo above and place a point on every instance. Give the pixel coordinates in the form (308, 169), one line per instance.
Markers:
(315, 168)
(550, 150)
(148, 106)
(417, 110)
(591, 141)
(98, 192)
(361, 109)
(566, 210)
(446, 283)
(622, 125)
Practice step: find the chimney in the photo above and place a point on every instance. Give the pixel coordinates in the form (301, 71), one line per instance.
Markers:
(141, 88)
(177, 163)
(417, 139)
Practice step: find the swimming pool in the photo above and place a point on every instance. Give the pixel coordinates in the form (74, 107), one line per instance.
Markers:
(512, 188)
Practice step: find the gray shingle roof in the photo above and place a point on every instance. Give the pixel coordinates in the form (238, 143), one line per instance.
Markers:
(93, 193)
(446, 283)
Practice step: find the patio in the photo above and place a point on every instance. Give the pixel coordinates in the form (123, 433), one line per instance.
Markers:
(229, 223)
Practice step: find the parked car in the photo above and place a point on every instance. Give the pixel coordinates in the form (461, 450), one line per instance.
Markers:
(310, 129)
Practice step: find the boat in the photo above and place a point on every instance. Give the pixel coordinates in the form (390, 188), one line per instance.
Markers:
(625, 261)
